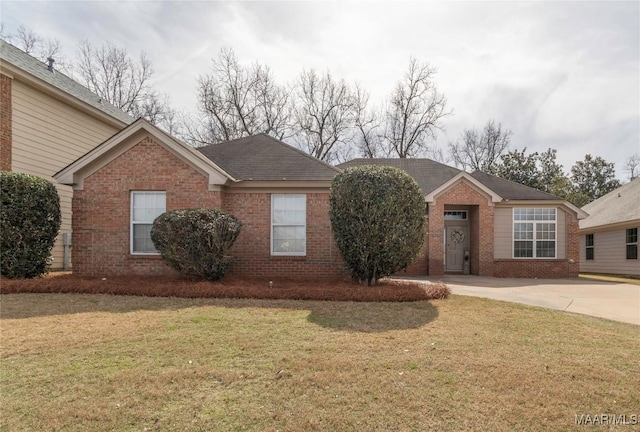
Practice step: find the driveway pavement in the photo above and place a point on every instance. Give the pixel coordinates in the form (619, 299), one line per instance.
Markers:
(611, 300)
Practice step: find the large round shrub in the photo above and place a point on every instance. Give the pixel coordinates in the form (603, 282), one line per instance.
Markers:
(29, 224)
(195, 241)
(377, 217)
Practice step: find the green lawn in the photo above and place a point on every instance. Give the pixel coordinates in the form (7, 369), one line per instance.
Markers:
(124, 363)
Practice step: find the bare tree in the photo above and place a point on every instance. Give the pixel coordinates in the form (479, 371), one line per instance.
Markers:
(414, 112)
(481, 150)
(36, 46)
(632, 166)
(368, 126)
(237, 101)
(323, 115)
(112, 74)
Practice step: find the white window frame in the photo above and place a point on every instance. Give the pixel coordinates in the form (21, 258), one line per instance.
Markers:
(275, 224)
(535, 232)
(133, 222)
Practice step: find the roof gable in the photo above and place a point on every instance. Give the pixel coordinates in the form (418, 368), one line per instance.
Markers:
(75, 173)
(37, 73)
(264, 158)
(463, 176)
(619, 206)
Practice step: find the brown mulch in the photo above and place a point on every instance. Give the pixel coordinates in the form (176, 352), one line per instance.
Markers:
(230, 287)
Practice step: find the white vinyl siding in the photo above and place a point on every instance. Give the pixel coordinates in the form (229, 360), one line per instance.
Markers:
(47, 136)
(288, 224)
(610, 256)
(146, 206)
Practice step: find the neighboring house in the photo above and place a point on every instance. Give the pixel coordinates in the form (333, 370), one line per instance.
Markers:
(47, 120)
(609, 236)
(488, 226)
(280, 194)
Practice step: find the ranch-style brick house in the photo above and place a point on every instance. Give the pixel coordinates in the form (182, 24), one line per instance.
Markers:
(477, 223)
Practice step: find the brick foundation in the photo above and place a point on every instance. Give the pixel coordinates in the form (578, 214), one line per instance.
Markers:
(6, 128)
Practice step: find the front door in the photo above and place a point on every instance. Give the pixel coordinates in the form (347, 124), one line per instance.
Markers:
(455, 243)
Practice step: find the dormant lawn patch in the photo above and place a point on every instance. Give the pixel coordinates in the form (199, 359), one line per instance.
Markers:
(78, 362)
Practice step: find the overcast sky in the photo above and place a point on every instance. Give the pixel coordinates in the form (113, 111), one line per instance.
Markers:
(564, 75)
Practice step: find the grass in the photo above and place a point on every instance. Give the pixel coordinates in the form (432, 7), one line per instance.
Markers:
(633, 280)
(78, 362)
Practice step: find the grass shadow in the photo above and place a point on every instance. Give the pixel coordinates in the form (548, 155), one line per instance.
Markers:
(372, 317)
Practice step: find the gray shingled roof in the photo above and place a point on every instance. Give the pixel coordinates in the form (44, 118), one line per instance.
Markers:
(430, 175)
(18, 58)
(427, 173)
(620, 205)
(262, 157)
(510, 190)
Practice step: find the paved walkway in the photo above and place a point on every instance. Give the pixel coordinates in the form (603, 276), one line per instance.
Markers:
(611, 300)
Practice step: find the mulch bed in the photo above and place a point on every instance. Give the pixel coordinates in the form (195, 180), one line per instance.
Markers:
(389, 290)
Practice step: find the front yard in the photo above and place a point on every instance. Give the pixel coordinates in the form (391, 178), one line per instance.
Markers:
(80, 362)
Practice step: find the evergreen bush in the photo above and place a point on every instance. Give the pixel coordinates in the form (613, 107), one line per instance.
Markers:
(377, 217)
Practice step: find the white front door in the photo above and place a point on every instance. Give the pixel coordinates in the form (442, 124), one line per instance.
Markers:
(455, 241)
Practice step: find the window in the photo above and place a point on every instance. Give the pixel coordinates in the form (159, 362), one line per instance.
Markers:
(632, 243)
(145, 207)
(288, 224)
(534, 233)
(589, 246)
(455, 215)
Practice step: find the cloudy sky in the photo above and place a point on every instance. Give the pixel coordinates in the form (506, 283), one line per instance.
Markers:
(564, 75)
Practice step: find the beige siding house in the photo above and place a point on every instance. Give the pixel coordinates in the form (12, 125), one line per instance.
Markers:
(48, 121)
(609, 236)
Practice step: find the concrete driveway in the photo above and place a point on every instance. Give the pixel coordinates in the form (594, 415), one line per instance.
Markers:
(611, 300)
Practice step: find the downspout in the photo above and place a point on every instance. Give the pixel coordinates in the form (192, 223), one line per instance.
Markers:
(66, 241)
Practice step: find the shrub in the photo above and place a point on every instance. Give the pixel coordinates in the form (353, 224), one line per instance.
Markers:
(195, 241)
(377, 217)
(29, 224)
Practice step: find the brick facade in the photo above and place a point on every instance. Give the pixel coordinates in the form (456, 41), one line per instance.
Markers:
(101, 211)
(480, 223)
(101, 225)
(252, 250)
(6, 129)
(101, 220)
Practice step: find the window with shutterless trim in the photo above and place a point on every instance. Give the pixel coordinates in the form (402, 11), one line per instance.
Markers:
(146, 206)
(589, 246)
(534, 233)
(632, 243)
(288, 224)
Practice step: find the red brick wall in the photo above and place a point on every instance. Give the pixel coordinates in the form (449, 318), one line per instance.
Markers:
(101, 218)
(6, 129)
(546, 268)
(421, 264)
(481, 226)
(101, 211)
(252, 250)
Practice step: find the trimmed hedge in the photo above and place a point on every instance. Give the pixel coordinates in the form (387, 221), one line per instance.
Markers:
(29, 223)
(195, 241)
(377, 217)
